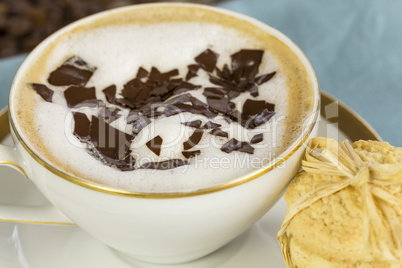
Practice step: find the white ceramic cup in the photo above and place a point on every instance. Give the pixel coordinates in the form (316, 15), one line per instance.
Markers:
(155, 227)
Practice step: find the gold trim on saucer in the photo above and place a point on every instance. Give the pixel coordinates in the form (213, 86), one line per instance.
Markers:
(38, 222)
(5, 127)
(352, 124)
(5, 162)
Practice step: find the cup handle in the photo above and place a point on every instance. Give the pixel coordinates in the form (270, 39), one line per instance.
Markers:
(27, 214)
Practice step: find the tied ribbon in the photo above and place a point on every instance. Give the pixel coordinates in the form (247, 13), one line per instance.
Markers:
(382, 229)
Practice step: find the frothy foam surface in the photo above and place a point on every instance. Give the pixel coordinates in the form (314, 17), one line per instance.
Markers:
(118, 51)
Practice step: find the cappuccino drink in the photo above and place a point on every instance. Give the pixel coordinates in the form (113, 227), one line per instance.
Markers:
(163, 99)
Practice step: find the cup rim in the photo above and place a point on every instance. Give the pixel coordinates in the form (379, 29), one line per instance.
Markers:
(293, 148)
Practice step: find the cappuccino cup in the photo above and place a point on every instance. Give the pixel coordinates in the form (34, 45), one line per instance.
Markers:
(163, 130)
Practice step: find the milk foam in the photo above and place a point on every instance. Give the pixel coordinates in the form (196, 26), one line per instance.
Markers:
(117, 52)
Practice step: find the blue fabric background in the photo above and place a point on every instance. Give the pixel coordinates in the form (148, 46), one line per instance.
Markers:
(354, 46)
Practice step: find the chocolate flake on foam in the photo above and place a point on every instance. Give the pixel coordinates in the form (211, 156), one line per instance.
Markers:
(235, 145)
(257, 138)
(193, 140)
(190, 154)
(207, 60)
(194, 124)
(82, 126)
(192, 71)
(210, 125)
(219, 132)
(155, 145)
(155, 87)
(75, 95)
(74, 71)
(43, 91)
(110, 145)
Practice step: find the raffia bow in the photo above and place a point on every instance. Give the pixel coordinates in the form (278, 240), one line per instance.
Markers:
(326, 156)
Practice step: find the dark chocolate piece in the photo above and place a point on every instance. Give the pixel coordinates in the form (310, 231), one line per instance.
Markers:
(110, 93)
(245, 147)
(191, 154)
(253, 89)
(185, 86)
(231, 106)
(179, 99)
(252, 107)
(43, 91)
(207, 60)
(155, 145)
(219, 105)
(192, 71)
(233, 94)
(257, 138)
(235, 145)
(164, 165)
(214, 92)
(141, 73)
(82, 126)
(210, 125)
(195, 123)
(219, 132)
(245, 64)
(193, 140)
(264, 78)
(76, 94)
(111, 145)
(74, 71)
(231, 146)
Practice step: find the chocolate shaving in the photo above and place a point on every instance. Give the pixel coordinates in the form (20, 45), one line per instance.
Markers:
(207, 60)
(141, 73)
(210, 125)
(194, 124)
(43, 91)
(219, 105)
(110, 144)
(164, 165)
(179, 99)
(193, 140)
(264, 78)
(231, 145)
(219, 132)
(253, 90)
(245, 64)
(191, 154)
(214, 92)
(82, 126)
(74, 71)
(252, 107)
(185, 86)
(245, 147)
(257, 138)
(155, 145)
(110, 93)
(192, 71)
(77, 94)
(235, 145)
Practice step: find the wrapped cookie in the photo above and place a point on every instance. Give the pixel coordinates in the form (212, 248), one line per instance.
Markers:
(345, 207)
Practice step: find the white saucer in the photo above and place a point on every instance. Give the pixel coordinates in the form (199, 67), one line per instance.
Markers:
(25, 245)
